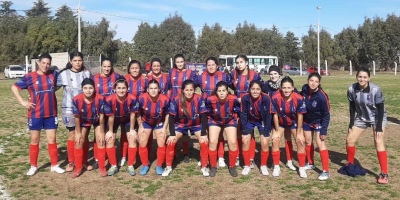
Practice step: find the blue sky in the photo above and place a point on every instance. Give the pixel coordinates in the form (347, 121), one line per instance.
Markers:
(288, 15)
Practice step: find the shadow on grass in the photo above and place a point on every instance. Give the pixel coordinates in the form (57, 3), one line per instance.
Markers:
(393, 120)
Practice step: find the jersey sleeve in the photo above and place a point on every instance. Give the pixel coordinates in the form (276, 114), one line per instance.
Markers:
(236, 106)
(107, 108)
(301, 105)
(350, 93)
(75, 109)
(22, 83)
(266, 114)
(134, 108)
(60, 80)
(244, 115)
(326, 116)
(173, 107)
(275, 106)
(379, 98)
(202, 103)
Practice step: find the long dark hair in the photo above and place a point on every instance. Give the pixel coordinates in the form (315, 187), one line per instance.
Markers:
(364, 69)
(182, 99)
(71, 57)
(109, 60)
(255, 82)
(315, 74)
(246, 59)
(287, 79)
(219, 84)
(178, 56)
(135, 62)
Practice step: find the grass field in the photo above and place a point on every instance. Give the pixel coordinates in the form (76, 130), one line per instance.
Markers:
(186, 181)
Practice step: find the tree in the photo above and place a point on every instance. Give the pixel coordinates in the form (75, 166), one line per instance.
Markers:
(147, 42)
(247, 40)
(291, 44)
(39, 9)
(6, 9)
(67, 28)
(213, 41)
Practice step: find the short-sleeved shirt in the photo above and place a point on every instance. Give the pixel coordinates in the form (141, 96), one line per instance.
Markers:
(163, 81)
(207, 82)
(287, 110)
(153, 112)
(41, 90)
(195, 107)
(120, 109)
(104, 84)
(365, 101)
(178, 77)
(136, 87)
(241, 83)
(222, 112)
(88, 112)
(71, 82)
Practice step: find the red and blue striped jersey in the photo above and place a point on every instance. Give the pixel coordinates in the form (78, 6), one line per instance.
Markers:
(152, 112)
(41, 90)
(195, 107)
(177, 77)
(136, 87)
(163, 80)
(287, 110)
(120, 109)
(241, 82)
(88, 112)
(207, 82)
(222, 112)
(104, 84)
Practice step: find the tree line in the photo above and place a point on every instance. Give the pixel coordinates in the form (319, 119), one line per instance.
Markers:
(38, 31)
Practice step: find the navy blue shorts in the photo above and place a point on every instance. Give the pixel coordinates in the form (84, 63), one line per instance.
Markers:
(154, 127)
(259, 125)
(185, 131)
(312, 127)
(37, 124)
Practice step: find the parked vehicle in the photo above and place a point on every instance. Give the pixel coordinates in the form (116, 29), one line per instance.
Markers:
(294, 71)
(313, 69)
(14, 71)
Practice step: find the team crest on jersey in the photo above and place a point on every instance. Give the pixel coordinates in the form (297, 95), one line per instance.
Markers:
(82, 110)
(37, 82)
(314, 104)
(98, 85)
(203, 104)
(172, 106)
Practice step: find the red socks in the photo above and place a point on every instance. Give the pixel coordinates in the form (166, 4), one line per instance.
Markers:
(169, 158)
(123, 145)
(324, 159)
(221, 148)
(232, 157)
(246, 157)
(213, 158)
(70, 150)
(144, 155)
(310, 154)
(383, 161)
(160, 155)
(240, 144)
(351, 152)
(276, 156)
(111, 154)
(203, 154)
(289, 150)
(33, 154)
(101, 157)
(53, 152)
(78, 158)
(132, 155)
(302, 159)
(264, 157)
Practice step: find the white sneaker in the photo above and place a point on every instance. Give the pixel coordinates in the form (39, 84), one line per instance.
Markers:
(237, 163)
(309, 167)
(167, 171)
(252, 164)
(290, 165)
(277, 171)
(57, 169)
(324, 176)
(205, 171)
(221, 162)
(32, 171)
(246, 170)
(302, 172)
(199, 164)
(264, 170)
(122, 161)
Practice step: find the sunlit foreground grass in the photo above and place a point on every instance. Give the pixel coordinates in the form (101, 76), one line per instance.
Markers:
(186, 180)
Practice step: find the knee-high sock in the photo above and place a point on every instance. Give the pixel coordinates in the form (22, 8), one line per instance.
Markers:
(276, 156)
(264, 157)
(310, 154)
(33, 154)
(132, 155)
(160, 155)
(302, 159)
(85, 151)
(324, 159)
(79, 158)
(289, 150)
(246, 157)
(351, 152)
(213, 158)
(101, 157)
(70, 150)
(232, 157)
(144, 155)
(203, 154)
(221, 148)
(112, 156)
(124, 145)
(383, 161)
(53, 152)
(169, 158)
(252, 148)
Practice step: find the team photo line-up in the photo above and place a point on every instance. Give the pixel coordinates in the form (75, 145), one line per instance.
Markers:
(166, 106)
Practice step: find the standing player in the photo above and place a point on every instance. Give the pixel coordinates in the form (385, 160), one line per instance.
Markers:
(316, 122)
(153, 110)
(187, 112)
(42, 111)
(256, 112)
(207, 81)
(288, 108)
(223, 109)
(178, 74)
(136, 86)
(367, 110)
(104, 86)
(120, 108)
(87, 109)
(70, 79)
(241, 77)
(162, 78)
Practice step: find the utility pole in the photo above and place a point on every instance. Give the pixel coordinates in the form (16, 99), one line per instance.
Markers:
(318, 53)
(79, 27)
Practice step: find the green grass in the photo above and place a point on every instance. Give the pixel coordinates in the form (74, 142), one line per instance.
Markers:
(186, 180)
